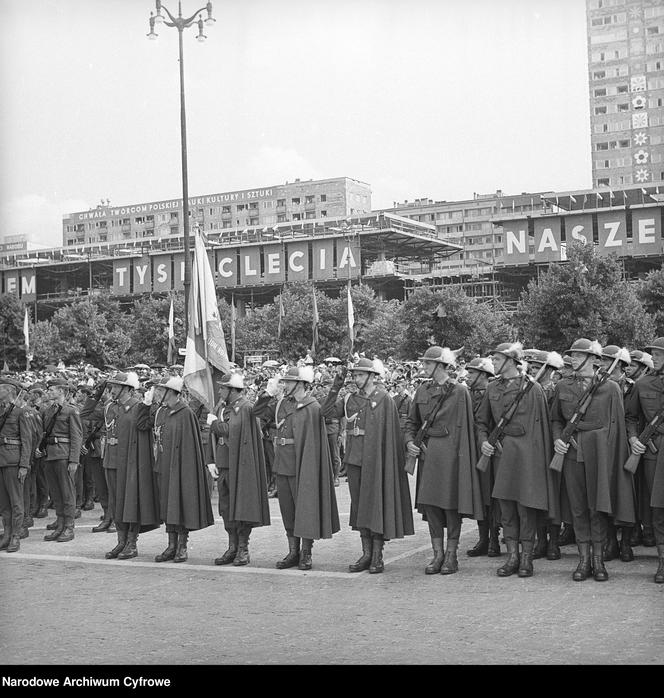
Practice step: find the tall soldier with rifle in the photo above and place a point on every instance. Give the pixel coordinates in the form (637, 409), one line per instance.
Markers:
(15, 445)
(92, 417)
(590, 442)
(439, 434)
(512, 426)
(646, 404)
(61, 444)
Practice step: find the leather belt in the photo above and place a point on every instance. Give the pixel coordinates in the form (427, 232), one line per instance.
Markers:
(10, 442)
(588, 426)
(58, 440)
(281, 441)
(356, 431)
(112, 441)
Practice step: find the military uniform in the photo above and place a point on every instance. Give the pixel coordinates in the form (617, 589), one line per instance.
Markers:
(15, 449)
(645, 401)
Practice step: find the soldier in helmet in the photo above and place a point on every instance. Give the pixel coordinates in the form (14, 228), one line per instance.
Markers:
(480, 372)
(374, 459)
(302, 464)
(238, 467)
(523, 482)
(646, 401)
(642, 533)
(596, 484)
(448, 485)
(15, 449)
(63, 436)
(612, 549)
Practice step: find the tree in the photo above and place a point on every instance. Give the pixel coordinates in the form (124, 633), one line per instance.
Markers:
(12, 314)
(148, 330)
(651, 293)
(584, 297)
(450, 318)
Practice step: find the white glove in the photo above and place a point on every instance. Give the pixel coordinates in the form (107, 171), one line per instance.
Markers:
(272, 387)
(147, 398)
(211, 418)
(213, 470)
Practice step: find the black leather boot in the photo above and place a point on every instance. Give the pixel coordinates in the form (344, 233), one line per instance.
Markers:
(582, 571)
(293, 557)
(599, 571)
(242, 557)
(438, 557)
(230, 553)
(305, 554)
(181, 550)
(88, 505)
(122, 541)
(7, 533)
(450, 562)
(25, 532)
(539, 549)
(14, 544)
(552, 548)
(636, 535)
(130, 550)
(105, 523)
(482, 545)
(53, 525)
(626, 552)
(567, 536)
(512, 563)
(659, 575)
(364, 561)
(611, 549)
(41, 513)
(57, 529)
(494, 542)
(169, 552)
(67, 533)
(526, 561)
(377, 565)
(648, 537)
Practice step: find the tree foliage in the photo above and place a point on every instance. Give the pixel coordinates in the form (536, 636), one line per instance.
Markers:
(587, 297)
(651, 293)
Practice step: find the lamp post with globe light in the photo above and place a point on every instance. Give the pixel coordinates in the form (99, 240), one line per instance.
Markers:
(181, 23)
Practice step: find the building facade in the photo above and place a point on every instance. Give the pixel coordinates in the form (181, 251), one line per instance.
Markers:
(236, 210)
(626, 90)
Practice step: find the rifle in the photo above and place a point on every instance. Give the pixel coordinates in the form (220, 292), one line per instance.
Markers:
(582, 406)
(5, 416)
(632, 462)
(498, 431)
(87, 444)
(411, 461)
(42, 449)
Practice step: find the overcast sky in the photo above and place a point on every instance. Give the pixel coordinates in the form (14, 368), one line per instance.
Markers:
(419, 98)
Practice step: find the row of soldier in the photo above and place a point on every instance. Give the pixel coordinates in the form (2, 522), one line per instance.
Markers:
(485, 446)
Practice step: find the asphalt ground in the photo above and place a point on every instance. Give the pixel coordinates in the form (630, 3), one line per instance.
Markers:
(64, 603)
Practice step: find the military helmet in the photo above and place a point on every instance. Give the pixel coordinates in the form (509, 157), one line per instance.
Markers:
(480, 364)
(536, 356)
(641, 357)
(586, 346)
(613, 351)
(365, 365)
(232, 380)
(512, 350)
(130, 378)
(174, 383)
(299, 373)
(442, 355)
(656, 344)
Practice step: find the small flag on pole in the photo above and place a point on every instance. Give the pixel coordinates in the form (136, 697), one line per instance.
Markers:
(172, 353)
(233, 320)
(611, 194)
(314, 328)
(572, 199)
(206, 346)
(351, 322)
(600, 197)
(282, 314)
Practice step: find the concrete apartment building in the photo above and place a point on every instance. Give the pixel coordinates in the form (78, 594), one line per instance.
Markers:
(626, 89)
(235, 210)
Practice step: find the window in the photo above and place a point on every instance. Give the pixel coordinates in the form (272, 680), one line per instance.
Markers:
(622, 89)
(622, 107)
(281, 218)
(600, 92)
(295, 200)
(253, 205)
(323, 214)
(297, 216)
(603, 182)
(281, 202)
(174, 216)
(623, 144)
(225, 209)
(241, 207)
(310, 214)
(602, 146)
(600, 110)
(309, 199)
(253, 221)
(652, 30)
(175, 230)
(323, 197)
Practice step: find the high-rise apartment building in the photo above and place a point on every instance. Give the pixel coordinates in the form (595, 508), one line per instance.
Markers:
(626, 86)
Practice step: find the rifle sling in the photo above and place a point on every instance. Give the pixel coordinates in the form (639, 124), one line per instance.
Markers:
(434, 412)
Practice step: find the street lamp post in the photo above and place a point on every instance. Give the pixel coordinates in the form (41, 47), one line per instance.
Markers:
(181, 24)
